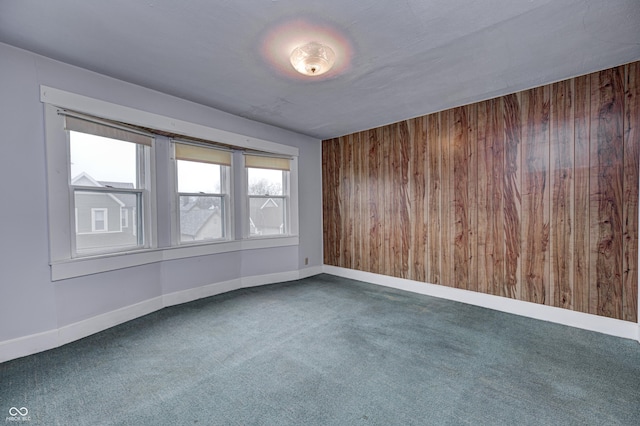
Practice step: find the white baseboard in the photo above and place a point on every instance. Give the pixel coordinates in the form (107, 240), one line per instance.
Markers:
(84, 328)
(27, 345)
(258, 280)
(184, 296)
(613, 327)
(310, 271)
(189, 295)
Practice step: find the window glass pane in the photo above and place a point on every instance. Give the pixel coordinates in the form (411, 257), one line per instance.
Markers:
(99, 219)
(198, 177)
(99, 161)
(201, 218)
(266, 216)
(265, 181)
(124, 216)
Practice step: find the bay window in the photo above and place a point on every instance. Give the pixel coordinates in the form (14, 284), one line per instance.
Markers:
(128, 187)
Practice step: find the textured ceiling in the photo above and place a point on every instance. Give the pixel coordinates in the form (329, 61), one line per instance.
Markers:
(398, 59)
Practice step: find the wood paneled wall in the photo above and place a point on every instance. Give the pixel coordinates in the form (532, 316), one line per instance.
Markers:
(532, 196)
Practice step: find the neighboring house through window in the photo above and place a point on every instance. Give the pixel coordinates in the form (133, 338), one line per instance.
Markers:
(124, 218)
(99, 220)
(203, 175)
(107, 166)
(268, 195)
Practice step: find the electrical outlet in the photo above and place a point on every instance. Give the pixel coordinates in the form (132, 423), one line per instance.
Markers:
(306, 260)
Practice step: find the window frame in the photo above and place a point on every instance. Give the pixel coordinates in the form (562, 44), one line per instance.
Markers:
(105, 219)
(61, 206)
(143, 192)
(226, 183)
(124, 214)
(285, 200)
(290, 196)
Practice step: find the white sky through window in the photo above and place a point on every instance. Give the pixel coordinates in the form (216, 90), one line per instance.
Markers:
(265, 181)
(102, 158)
(198, 177)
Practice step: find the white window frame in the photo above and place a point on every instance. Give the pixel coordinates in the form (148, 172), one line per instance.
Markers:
(124, 218)
(226, 185)
(61, 216)
(285, 200)
(290, 197)
(61, 206)
(105, 219)
(142, 191)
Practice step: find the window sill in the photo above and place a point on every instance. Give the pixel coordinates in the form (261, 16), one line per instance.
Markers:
(79, 267)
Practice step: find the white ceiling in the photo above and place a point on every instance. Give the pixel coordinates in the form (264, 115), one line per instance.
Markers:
(398, 59)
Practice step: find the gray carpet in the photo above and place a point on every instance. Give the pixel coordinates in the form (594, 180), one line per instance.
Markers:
(329, 351)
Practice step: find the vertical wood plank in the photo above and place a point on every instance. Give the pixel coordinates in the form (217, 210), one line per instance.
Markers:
(356, 211)
(375, 246)
(340, 204)
(446, 204)
(346, 183)
(403, 203)
(387, 199)
(472, 190)
(511, 194)
(484, 189)
(630, 198)
(535, 195)
(582, 131)
(353, 202)
(327, 238)
(417, 183)
(390, 200)
(394, 207)
(413, 222)
(337, 161)
(365, 240)
(422, 136)
(561, 249)
(365, 214)
(434, 188)
(606, 192)
(460, 197)
(498, 197)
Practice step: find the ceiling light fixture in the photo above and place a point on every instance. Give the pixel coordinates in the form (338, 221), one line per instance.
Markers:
(312, 59)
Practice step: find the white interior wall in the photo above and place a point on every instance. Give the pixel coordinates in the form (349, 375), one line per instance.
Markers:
(30, 303)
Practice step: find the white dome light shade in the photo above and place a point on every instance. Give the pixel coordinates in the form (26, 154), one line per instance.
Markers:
(312, 59)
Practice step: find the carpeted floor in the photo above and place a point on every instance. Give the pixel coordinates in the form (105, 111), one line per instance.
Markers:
(329, 351)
